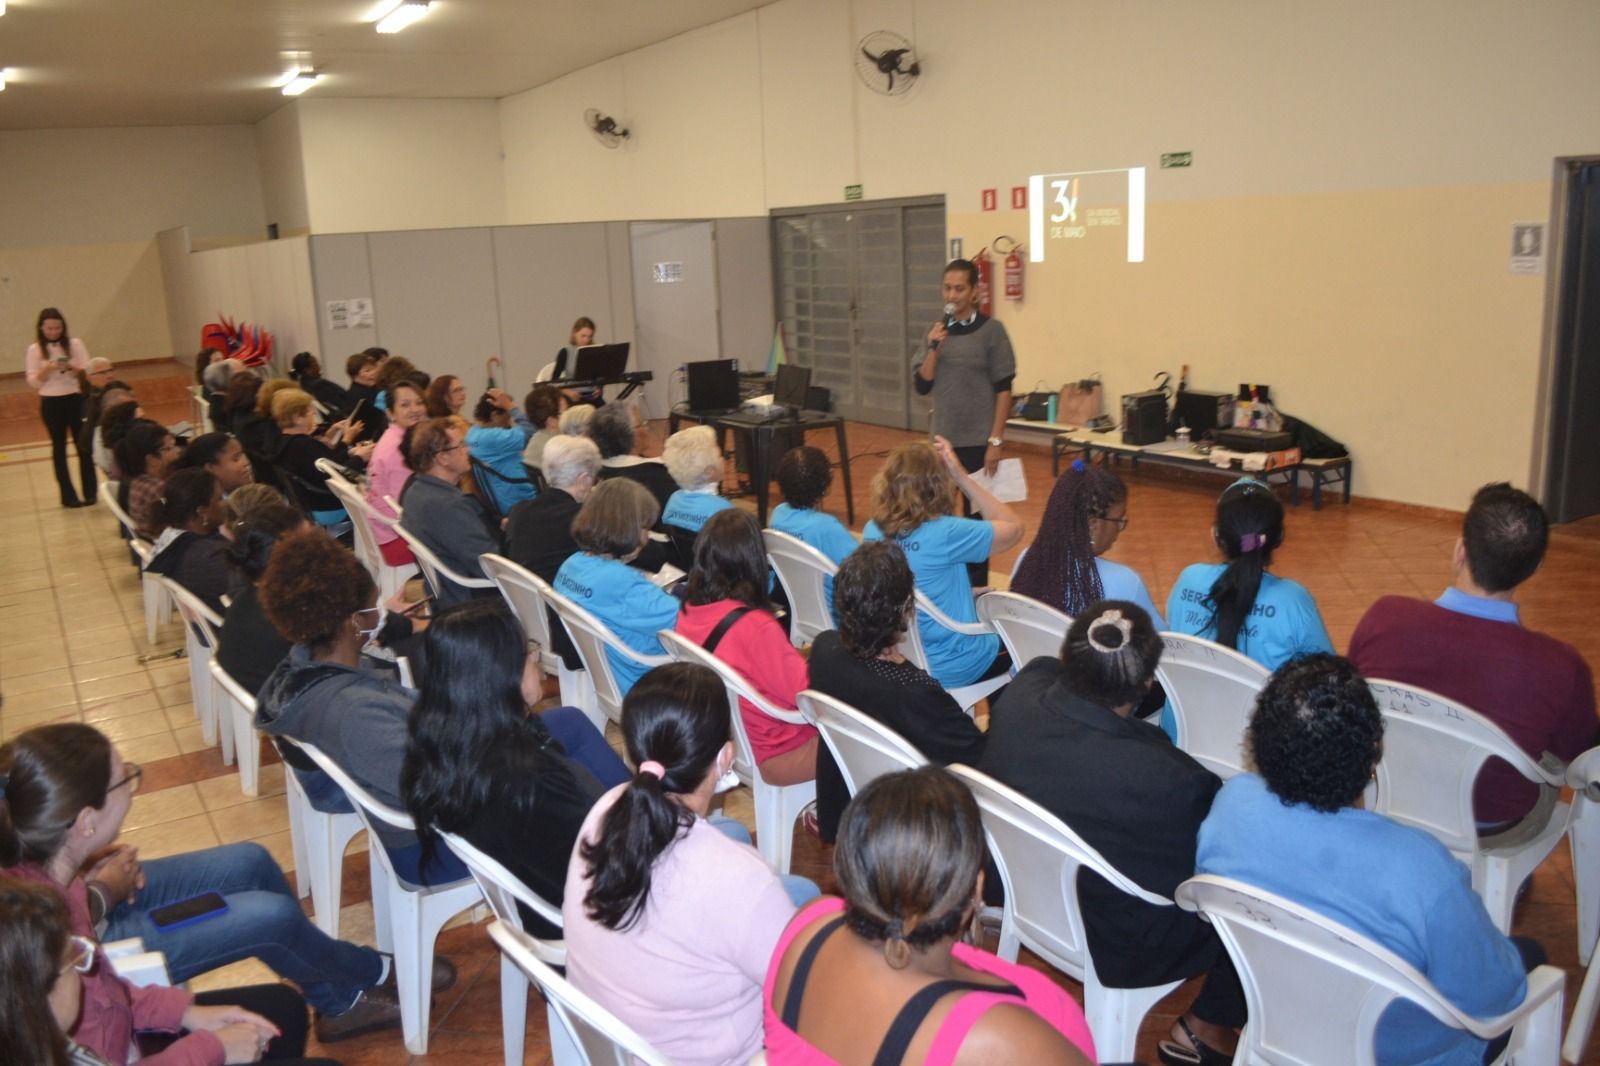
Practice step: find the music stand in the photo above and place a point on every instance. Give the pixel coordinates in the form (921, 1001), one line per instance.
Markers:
(600, 362)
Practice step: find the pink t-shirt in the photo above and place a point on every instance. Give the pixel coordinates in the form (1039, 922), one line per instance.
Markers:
(387, 474)
(758, 648)
(55, 373)
(1044, 997)
(687, 975)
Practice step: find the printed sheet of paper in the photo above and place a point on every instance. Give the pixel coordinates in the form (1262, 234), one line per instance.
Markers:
(1008, 484)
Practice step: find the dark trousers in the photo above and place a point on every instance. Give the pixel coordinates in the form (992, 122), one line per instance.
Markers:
(63, 416)
(279, 1004)
(972, 461)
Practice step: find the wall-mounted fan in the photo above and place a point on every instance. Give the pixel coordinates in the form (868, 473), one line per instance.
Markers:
(886, 63)
(607, 130)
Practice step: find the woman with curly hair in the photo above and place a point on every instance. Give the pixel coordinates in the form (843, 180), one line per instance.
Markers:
(1065, 566)
(860, 663)
(883, 975)
(1315, 737)
(914, 501)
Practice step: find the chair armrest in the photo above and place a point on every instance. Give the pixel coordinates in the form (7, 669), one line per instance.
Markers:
(1544, 982)
(971, 629)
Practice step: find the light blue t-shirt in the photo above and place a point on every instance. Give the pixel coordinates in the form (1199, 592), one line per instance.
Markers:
(1391, 883)
(820, 530)
(1283, 624)
(1120, 582)
(938, 552)
(625, 600)
(691, 510)
(501, 450)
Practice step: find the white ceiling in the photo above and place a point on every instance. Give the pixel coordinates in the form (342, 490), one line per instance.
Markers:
(203, 62)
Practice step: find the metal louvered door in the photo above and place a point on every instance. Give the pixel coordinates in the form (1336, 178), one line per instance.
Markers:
(851, 310)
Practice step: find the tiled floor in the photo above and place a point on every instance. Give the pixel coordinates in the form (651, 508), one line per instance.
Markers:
(72, 637)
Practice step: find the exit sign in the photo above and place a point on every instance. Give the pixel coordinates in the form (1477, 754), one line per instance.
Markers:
(1176, 159)
(852, 192)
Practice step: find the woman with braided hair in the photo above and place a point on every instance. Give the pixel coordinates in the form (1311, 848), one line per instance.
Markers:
(1239, 604)
(1065, 566)
(882, 975)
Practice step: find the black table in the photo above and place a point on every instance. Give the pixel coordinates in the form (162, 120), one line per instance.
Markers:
(759, 431)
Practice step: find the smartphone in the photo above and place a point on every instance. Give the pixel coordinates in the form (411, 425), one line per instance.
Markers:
(351, 417)
(189, 911)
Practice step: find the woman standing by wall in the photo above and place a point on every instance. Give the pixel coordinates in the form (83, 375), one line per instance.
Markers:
(53, 363)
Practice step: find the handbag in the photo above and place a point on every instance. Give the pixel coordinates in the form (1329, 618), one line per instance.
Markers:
(1034, 406)
(1081, 402)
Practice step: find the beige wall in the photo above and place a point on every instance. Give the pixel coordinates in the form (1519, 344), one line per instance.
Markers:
(79, 211)
(401, 164)
(1343, 233)
(283, 171)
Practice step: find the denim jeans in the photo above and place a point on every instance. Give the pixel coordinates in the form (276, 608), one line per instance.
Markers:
(263, 921)
(801, 890)
(586, 745)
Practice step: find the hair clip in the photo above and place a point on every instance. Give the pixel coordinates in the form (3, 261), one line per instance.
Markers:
(1079, 466)
(1252, 541)
(1115, 619)
(653, 768)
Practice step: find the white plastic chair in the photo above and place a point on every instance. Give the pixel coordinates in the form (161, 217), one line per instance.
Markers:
(1038, 857)
(1583, 776)
(237, 708)
(777, 806)
(802, 570)
(1433, 749)
(333, 472)
(319, 840)
(1029, 629)
(200, 625)
(911, 647)
(390, 579)
(504, 890)
(863, 748)
(157, 604)
(592, 637)
(545, 373)
(1316, 989)
(600, 1037)
(200, 409)
(415, 913)
(434, 572)
(526, 594)
(1212, 691)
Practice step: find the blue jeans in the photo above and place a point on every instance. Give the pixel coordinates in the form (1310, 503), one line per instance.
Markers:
(801, 890)
(263, 921)
(586, 745)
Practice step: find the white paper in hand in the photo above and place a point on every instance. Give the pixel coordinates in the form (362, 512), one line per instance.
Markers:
(1007, 484)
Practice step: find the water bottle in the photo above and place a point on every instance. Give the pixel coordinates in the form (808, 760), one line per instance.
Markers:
(1050, 408)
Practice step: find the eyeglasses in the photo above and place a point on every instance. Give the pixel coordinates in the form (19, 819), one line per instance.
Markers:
(135, 775)
(80, 954)
(1120, 523)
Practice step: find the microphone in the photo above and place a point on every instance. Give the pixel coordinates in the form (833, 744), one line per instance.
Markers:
(949, 320)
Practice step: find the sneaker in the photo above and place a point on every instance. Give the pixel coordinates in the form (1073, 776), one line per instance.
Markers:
(444, 973)
(376, 1008)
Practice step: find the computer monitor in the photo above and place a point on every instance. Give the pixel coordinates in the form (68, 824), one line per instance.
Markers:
(789, 390)
(713, 386)
(600, 362)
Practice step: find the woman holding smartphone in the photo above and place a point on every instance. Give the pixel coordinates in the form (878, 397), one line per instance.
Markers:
(53, 363)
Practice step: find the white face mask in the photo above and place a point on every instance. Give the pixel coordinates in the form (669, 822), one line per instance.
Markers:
(382, 611)
(727, 780)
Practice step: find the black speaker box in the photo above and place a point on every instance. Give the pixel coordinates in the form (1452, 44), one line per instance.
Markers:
(1144, 417)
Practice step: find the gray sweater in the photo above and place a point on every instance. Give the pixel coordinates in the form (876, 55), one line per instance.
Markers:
(975, 363)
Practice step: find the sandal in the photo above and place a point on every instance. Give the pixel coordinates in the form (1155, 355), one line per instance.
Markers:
(1201, 1054)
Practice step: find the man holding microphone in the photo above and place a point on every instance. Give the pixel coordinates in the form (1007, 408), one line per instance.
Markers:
(968, 366)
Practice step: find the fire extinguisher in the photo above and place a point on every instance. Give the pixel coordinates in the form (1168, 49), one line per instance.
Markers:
(985, 282)
(1013, 263)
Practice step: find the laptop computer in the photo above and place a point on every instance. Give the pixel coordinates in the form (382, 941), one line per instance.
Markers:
(596, 362)
(713, 387)
(789, 388)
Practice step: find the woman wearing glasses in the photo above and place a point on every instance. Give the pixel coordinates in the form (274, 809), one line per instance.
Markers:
(64, 793)
(40, 967)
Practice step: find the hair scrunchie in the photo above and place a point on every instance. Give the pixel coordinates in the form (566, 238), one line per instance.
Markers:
(1115, 619)
(1079, 466)
(1252, 542)
(653, 768)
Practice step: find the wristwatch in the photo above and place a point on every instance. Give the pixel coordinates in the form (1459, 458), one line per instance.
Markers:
(996, 442)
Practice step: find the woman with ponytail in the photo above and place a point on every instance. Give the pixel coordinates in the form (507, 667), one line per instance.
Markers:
(882, 975)
(1065, 566)
(670, 916)
(1237, 603)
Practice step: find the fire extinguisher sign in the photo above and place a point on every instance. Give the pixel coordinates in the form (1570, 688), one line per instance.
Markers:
(1086, 205)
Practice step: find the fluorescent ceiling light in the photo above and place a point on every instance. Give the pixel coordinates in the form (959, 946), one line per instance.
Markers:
(300, 82)
(2, 7)
(403, 16)
(4, 73)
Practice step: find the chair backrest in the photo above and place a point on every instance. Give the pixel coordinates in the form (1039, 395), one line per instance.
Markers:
(201, 620)
(1433, 749)
(366, 543)
(862, 747)
(524, 594)
(434, 572)
(685, 650)
(927, 614)
(1029, 629)
(601, 1037)
(109, 490)
(236, 692)
(1038, 858)
(545, 373)
(1212, 691)
(367, 806)
(333, 472)
(802, 570)
(1583, 774)
(1282, 950)
(504, 890)
(592, 637)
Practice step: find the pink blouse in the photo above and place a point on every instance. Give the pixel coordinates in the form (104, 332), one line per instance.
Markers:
(52, 378)
(1044, 997)
(387, 474)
